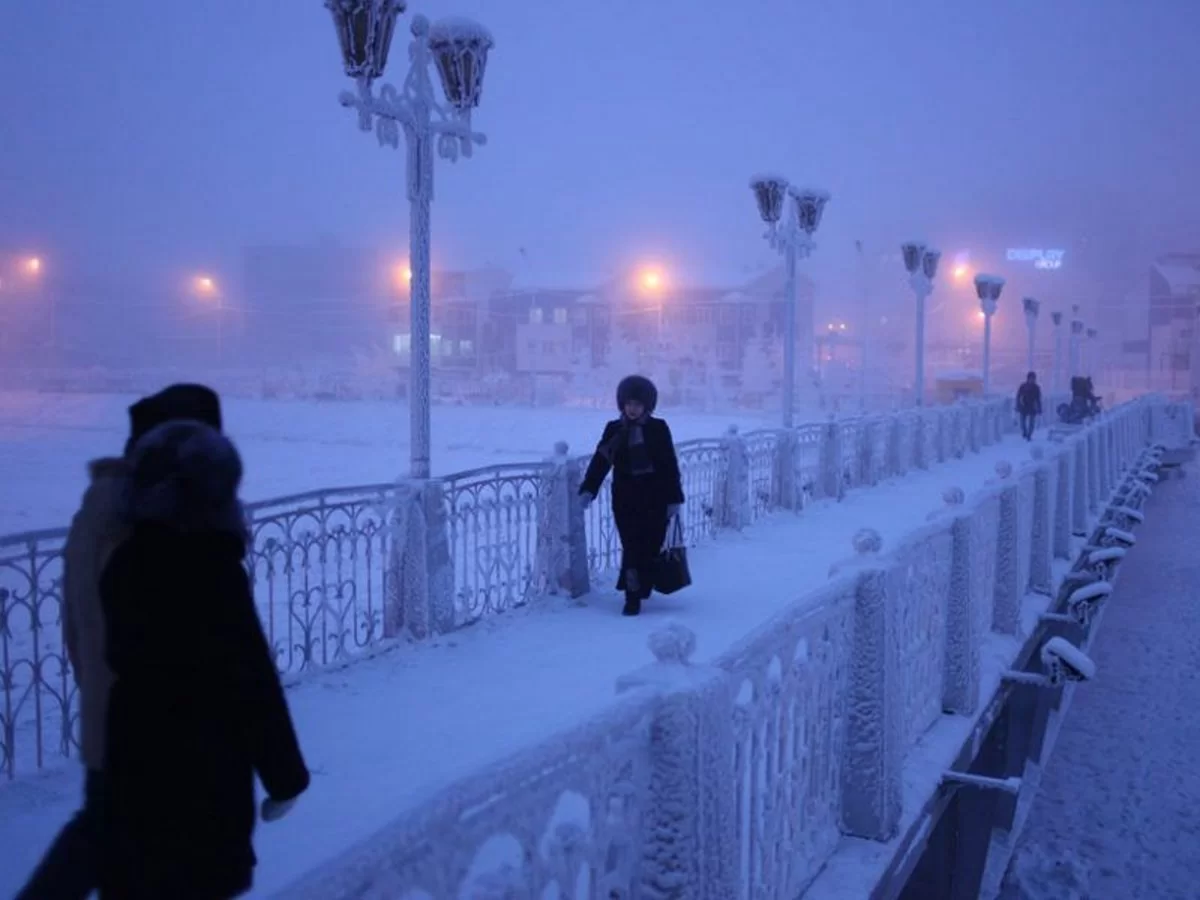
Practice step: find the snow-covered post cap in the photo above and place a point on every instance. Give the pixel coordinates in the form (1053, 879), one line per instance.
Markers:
(867, 542)
(673, 646)
(673, 643)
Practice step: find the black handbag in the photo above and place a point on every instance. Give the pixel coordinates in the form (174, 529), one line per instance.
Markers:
(671, 573)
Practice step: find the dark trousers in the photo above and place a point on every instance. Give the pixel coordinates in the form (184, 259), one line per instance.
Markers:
(1028, 420)
(69, 870)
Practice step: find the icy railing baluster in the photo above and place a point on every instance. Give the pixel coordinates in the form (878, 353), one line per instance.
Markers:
(493, 515)
(570, 809)
(789, 736)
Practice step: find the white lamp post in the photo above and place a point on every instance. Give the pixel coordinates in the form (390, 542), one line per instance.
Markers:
(1089, 353)
(1073, 353)
(1056, 317)
(459, 50)
(1031, 307)
(988, 289)
(794, 239)
(921, 262)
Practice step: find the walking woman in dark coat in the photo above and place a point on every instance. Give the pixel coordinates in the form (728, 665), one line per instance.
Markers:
(647, 491)
(196, 707)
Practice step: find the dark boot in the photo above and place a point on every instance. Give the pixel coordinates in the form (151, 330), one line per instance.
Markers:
(633, 605)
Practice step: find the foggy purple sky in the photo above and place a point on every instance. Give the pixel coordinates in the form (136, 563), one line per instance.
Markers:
(139, 133)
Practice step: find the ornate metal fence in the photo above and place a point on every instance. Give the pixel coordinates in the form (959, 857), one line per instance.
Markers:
(319, 565)
(762, 449)
(37, 691)
(493, 516)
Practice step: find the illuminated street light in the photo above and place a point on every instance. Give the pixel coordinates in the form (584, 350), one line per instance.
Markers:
(205, 286)
(794, 239)
(33, 265)
(988, 289)
(1057, 318)
(458, 50)
(651, 280)
(921, 263)
(1031, 307)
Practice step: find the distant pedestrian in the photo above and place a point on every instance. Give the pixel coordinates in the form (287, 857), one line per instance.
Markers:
(647, 490)
(196, 706)
(1029, 405)
(70, 868)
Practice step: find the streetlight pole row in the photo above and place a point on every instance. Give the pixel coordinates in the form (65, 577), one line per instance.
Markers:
(921, 262)
(988, 289)
(794, 239)
(459, 50)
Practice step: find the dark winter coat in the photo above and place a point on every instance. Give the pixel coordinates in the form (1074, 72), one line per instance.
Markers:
(1029, 399)
(196, 707)
(639, 502)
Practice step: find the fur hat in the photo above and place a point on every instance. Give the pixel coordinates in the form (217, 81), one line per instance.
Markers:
(640, 388)
(192, 402)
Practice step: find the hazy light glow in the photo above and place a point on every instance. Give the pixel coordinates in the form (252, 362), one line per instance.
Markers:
(651, 280)
(403, 275)
(961, 271)
(33, 265)
(205, 285)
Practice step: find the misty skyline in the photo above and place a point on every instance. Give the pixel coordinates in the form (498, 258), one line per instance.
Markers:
(142, 136)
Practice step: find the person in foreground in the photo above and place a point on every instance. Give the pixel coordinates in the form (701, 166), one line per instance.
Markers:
(70, 868)
(196, 707)
(647, 490)
(1029, 405)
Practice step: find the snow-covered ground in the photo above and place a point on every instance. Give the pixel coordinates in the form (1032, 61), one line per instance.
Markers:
(1117, 816)
(386, 733)
(288, 446)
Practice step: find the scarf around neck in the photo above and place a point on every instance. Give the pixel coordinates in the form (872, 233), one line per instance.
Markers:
(639, 455)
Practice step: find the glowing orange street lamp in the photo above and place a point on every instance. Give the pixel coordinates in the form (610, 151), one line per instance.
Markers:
(651, 280)
(205, 285)
(960, 272)
(403, 276)
(33, 265)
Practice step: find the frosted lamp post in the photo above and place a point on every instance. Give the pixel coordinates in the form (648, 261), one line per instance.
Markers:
(988, 289)
(1031, 307)
(1076, 333)
(1089, 352)
(793, 237)
(458, 49)
(921, 263)
(1056, 317)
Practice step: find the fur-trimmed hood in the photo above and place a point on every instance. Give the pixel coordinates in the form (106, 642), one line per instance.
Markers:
(185, 476)
(640, 388)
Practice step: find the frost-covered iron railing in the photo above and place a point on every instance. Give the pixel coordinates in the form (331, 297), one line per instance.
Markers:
(317, 563)
(37, 691)
(535, 825)
(493, 518)
(810, 728)
(325, 572)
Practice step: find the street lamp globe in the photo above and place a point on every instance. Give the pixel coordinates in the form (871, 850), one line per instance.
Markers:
(769, 191)
(810, 207)
(460, 52)
(1056, 317)
(929, 263)
(914, 254)
(364, 30)
(988, 289)
(1031, 307)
